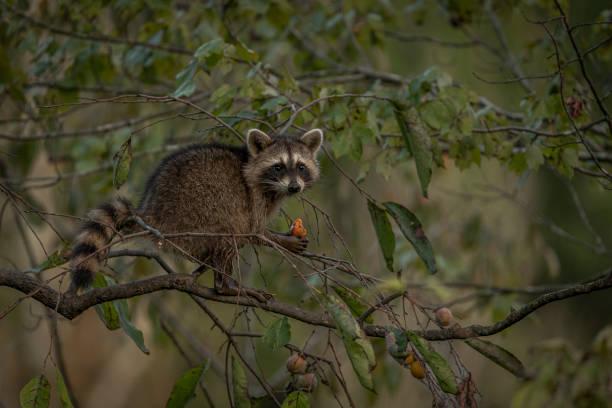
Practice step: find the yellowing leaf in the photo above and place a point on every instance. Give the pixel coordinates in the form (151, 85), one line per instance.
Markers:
(444, 374)
(36, 393)
(62, 391)
(297, 399)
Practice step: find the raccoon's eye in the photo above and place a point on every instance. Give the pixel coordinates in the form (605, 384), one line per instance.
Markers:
(278, 168)
(301, 167)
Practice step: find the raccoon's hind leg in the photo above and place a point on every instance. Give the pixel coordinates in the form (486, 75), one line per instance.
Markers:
(225, 285)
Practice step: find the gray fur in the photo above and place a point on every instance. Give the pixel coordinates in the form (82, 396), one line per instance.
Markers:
(222, 189)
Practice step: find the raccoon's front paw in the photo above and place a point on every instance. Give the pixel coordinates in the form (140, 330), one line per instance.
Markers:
(295, 244)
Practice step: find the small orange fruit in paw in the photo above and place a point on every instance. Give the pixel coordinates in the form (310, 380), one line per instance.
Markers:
(297, 229)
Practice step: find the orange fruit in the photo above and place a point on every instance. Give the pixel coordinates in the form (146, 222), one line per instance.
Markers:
(307, 382)
(296, 364)
(409, 359)
(417, 370)
(297, 229)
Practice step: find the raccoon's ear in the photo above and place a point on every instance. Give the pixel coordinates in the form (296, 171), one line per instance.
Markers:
(257, 141)
(313, 139)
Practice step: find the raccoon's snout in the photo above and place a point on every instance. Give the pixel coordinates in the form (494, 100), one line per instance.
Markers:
(293, 187)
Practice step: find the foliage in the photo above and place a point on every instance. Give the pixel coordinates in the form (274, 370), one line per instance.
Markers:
(566, 376)
(92, 94)
(184, 388)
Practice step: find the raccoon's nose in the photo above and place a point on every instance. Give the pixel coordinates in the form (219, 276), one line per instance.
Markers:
(293, 187)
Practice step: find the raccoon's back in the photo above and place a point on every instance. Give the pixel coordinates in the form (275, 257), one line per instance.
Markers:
(199, 189)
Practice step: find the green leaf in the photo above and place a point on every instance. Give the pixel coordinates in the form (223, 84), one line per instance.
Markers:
(417, 141)
(62, 391)
(287, 83)
(568, 160)
(518, 163)
(239, 385)
(337, 113)
(127, 326)
(385, 235)
(278, 334)
(412, 229)
(36, 393)
(185, 82)
(272, 104)
(368, 350)
(436, 114)
(115, 314)
(224, 94)
(211, 47)
(57, 258)
(534, 156)
(121, 163)
(360, 135)
(297, 399)
(245, 53)
(504, 150)
(353, 302)
(439, 366)
(357, 345)
(499, 356)
(466, 125)
(343, 317)
(106, 311)
(359, 352)
(184, 388)
(210, 53)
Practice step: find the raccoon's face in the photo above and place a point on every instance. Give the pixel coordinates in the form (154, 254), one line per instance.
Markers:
(283, 165)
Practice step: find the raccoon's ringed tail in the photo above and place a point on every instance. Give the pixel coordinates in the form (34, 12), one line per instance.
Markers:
(95, 234)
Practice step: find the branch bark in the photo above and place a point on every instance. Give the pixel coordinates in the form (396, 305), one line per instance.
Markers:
(73, 305)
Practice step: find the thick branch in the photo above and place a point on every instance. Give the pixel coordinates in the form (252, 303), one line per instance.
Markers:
(71, 306)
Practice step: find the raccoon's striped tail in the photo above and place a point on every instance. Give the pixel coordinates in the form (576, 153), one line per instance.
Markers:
(95, 234)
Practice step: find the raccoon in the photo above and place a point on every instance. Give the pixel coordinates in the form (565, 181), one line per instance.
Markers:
(209, 188)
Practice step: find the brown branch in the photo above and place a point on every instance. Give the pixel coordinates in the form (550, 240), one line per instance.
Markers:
(107, 127)
(73, 88)
(602, 282)
(72, 306)
(538, 132)
(425, 38)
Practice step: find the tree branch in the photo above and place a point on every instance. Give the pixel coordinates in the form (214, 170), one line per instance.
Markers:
(73, 305)
(94, 38)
